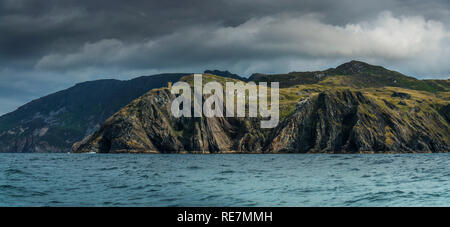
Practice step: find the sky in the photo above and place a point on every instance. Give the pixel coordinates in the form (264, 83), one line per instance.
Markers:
(46, 46)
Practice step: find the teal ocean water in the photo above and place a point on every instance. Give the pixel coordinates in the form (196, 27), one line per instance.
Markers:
(224, 180)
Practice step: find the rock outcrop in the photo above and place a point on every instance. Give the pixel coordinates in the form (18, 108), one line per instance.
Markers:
(147, 126)
(334, 121)
(345, 121)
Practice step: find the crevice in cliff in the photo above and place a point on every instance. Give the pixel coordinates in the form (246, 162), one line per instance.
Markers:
(345, 141)
(105, 145)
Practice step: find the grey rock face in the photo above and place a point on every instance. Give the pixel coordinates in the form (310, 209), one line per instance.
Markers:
(341, 121)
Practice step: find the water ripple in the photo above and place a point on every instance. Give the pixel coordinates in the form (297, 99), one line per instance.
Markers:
(224, 180)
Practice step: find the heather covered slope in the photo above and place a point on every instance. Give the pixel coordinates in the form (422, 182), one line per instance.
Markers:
(355, 74)
(316, 118)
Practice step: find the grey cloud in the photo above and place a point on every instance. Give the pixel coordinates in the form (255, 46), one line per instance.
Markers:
(35, 27)
(283, 36)
(52, 44)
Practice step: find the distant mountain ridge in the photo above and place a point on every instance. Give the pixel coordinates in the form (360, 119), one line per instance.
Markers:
(54, 122)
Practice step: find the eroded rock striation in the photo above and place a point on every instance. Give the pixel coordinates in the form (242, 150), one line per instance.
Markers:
(330, 121)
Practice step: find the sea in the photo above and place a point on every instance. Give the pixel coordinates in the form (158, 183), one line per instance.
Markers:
(280, 180)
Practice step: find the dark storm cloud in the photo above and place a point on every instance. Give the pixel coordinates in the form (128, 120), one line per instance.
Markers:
(34, 27)
(48, 45)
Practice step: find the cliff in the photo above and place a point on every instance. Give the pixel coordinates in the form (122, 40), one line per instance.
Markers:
(315, 119)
